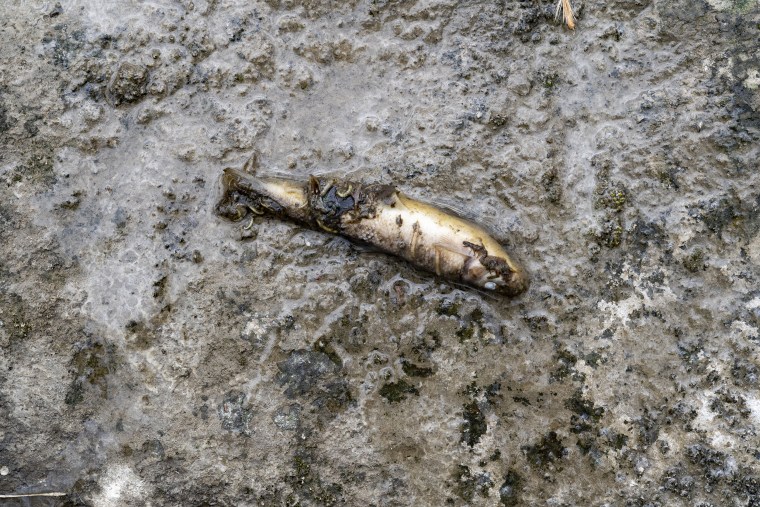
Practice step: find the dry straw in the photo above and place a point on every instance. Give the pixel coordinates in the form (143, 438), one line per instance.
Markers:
(564, 7)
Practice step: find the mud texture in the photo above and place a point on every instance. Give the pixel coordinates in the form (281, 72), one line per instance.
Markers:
(153, 353)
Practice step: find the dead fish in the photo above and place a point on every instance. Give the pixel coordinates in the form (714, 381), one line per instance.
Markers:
(379, 215)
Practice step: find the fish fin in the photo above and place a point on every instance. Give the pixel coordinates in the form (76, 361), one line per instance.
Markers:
(252, 164)
(313, 184)
(457, 211)
(365, 248)
(447, 207)
(404, 200)
(446, 257)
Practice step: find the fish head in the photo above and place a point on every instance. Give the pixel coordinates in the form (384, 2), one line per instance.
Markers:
(495, 274)
(512, 283)
(509, 284)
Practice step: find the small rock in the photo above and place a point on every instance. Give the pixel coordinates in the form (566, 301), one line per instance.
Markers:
(92, 112)
(288, 418)
(518, 84)
(257, 330)
(128, 83)
(302, 370)
(234, 415)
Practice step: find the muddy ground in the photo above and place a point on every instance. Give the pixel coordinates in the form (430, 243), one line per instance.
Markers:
(155, 354)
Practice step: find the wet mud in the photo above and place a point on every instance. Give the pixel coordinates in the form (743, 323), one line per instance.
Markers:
(152, 352)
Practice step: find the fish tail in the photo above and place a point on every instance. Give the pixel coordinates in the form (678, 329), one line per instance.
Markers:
(235, 202)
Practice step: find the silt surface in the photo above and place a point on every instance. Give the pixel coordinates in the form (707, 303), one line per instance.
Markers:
(153, 353)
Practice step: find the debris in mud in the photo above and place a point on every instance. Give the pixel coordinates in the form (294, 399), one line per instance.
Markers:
(234, 415)
(474, 425)
(303, 371)
(544, 452)
(128, 83)
(395, 392)
(509, 491)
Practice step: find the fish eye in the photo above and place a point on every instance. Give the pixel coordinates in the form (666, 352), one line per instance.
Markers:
(490, 285)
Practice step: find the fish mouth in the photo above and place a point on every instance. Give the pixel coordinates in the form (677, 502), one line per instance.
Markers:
(515, 284)
(504, 276)
(509, 284)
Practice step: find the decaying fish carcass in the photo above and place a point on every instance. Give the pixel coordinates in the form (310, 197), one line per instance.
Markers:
(379, 215)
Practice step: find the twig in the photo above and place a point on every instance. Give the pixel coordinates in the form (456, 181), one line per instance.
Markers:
(32, 494)
(566, 9)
